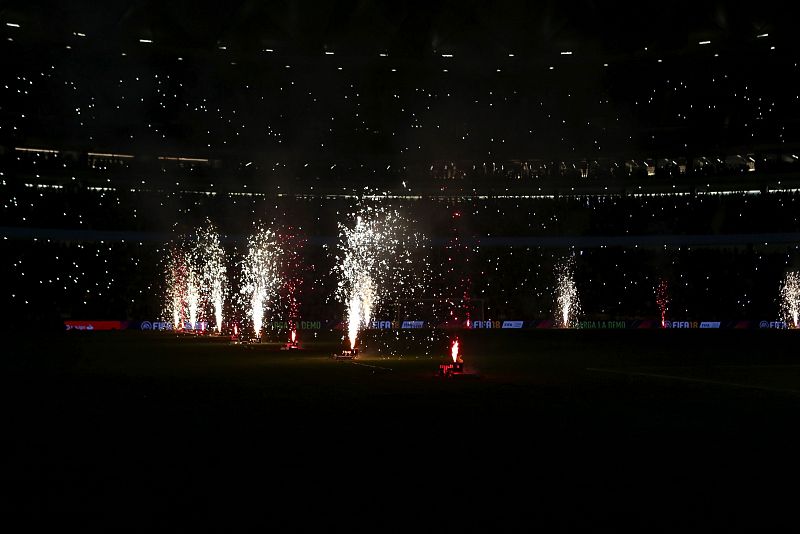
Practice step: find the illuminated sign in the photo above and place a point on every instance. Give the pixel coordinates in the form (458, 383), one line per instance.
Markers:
(485, 324)
(95, 325)
(300, 325)
(680, 324)
(602, 324)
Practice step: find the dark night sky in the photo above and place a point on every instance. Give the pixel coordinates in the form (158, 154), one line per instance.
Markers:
(413, 29)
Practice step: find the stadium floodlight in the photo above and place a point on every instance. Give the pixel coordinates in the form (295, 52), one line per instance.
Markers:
(447, 55)
(704, 42)
(328, 53)
(145, 40)
(566, 53)
(762, 35)
(510, 55)
(12, 24)
(383, 54)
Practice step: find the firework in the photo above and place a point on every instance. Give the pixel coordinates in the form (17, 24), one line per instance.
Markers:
(260, 276)
(209, 259)
(456, 368)
(176, 287)
(568, 306)
(196, 277)
(790, 298)
(291, 245)
(662, 300)
(374, 262)
(192, 295)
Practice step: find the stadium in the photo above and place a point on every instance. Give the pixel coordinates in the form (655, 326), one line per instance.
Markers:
(518, 265)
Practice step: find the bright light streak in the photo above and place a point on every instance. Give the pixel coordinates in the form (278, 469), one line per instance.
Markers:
(260, 275)
(374, 263)
(662, 300)
(790, 298)
(568, 306)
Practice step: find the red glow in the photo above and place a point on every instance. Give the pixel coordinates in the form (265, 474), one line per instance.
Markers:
(93, 325)
(454, 350)
(662, 299)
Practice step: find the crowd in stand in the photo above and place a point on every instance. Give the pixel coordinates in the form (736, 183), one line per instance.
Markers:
(85, 273)
(590, 215)
(101, 167)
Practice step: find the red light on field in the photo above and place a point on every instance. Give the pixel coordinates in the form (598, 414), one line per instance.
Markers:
(292, 344)
(456, 368)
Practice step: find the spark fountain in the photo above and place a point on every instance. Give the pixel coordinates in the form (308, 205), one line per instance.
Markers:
(374, 259)
(209, 257)
(457, 365)
(196, 276)
(662, 300)
(455, 368)
(292, 344)
(568, 306)
(260, 277)
(790, 299)
(192, 296)
(291, 269)
(176, 284)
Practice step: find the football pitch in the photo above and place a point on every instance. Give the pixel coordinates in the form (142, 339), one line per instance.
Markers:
(597, 417)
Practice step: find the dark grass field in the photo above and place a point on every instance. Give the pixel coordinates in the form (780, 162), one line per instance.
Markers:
(667, 430)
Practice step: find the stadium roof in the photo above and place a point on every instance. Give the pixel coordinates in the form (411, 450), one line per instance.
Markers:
(404, 29)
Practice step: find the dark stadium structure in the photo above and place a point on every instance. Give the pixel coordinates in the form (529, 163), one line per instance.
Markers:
(656, 148)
